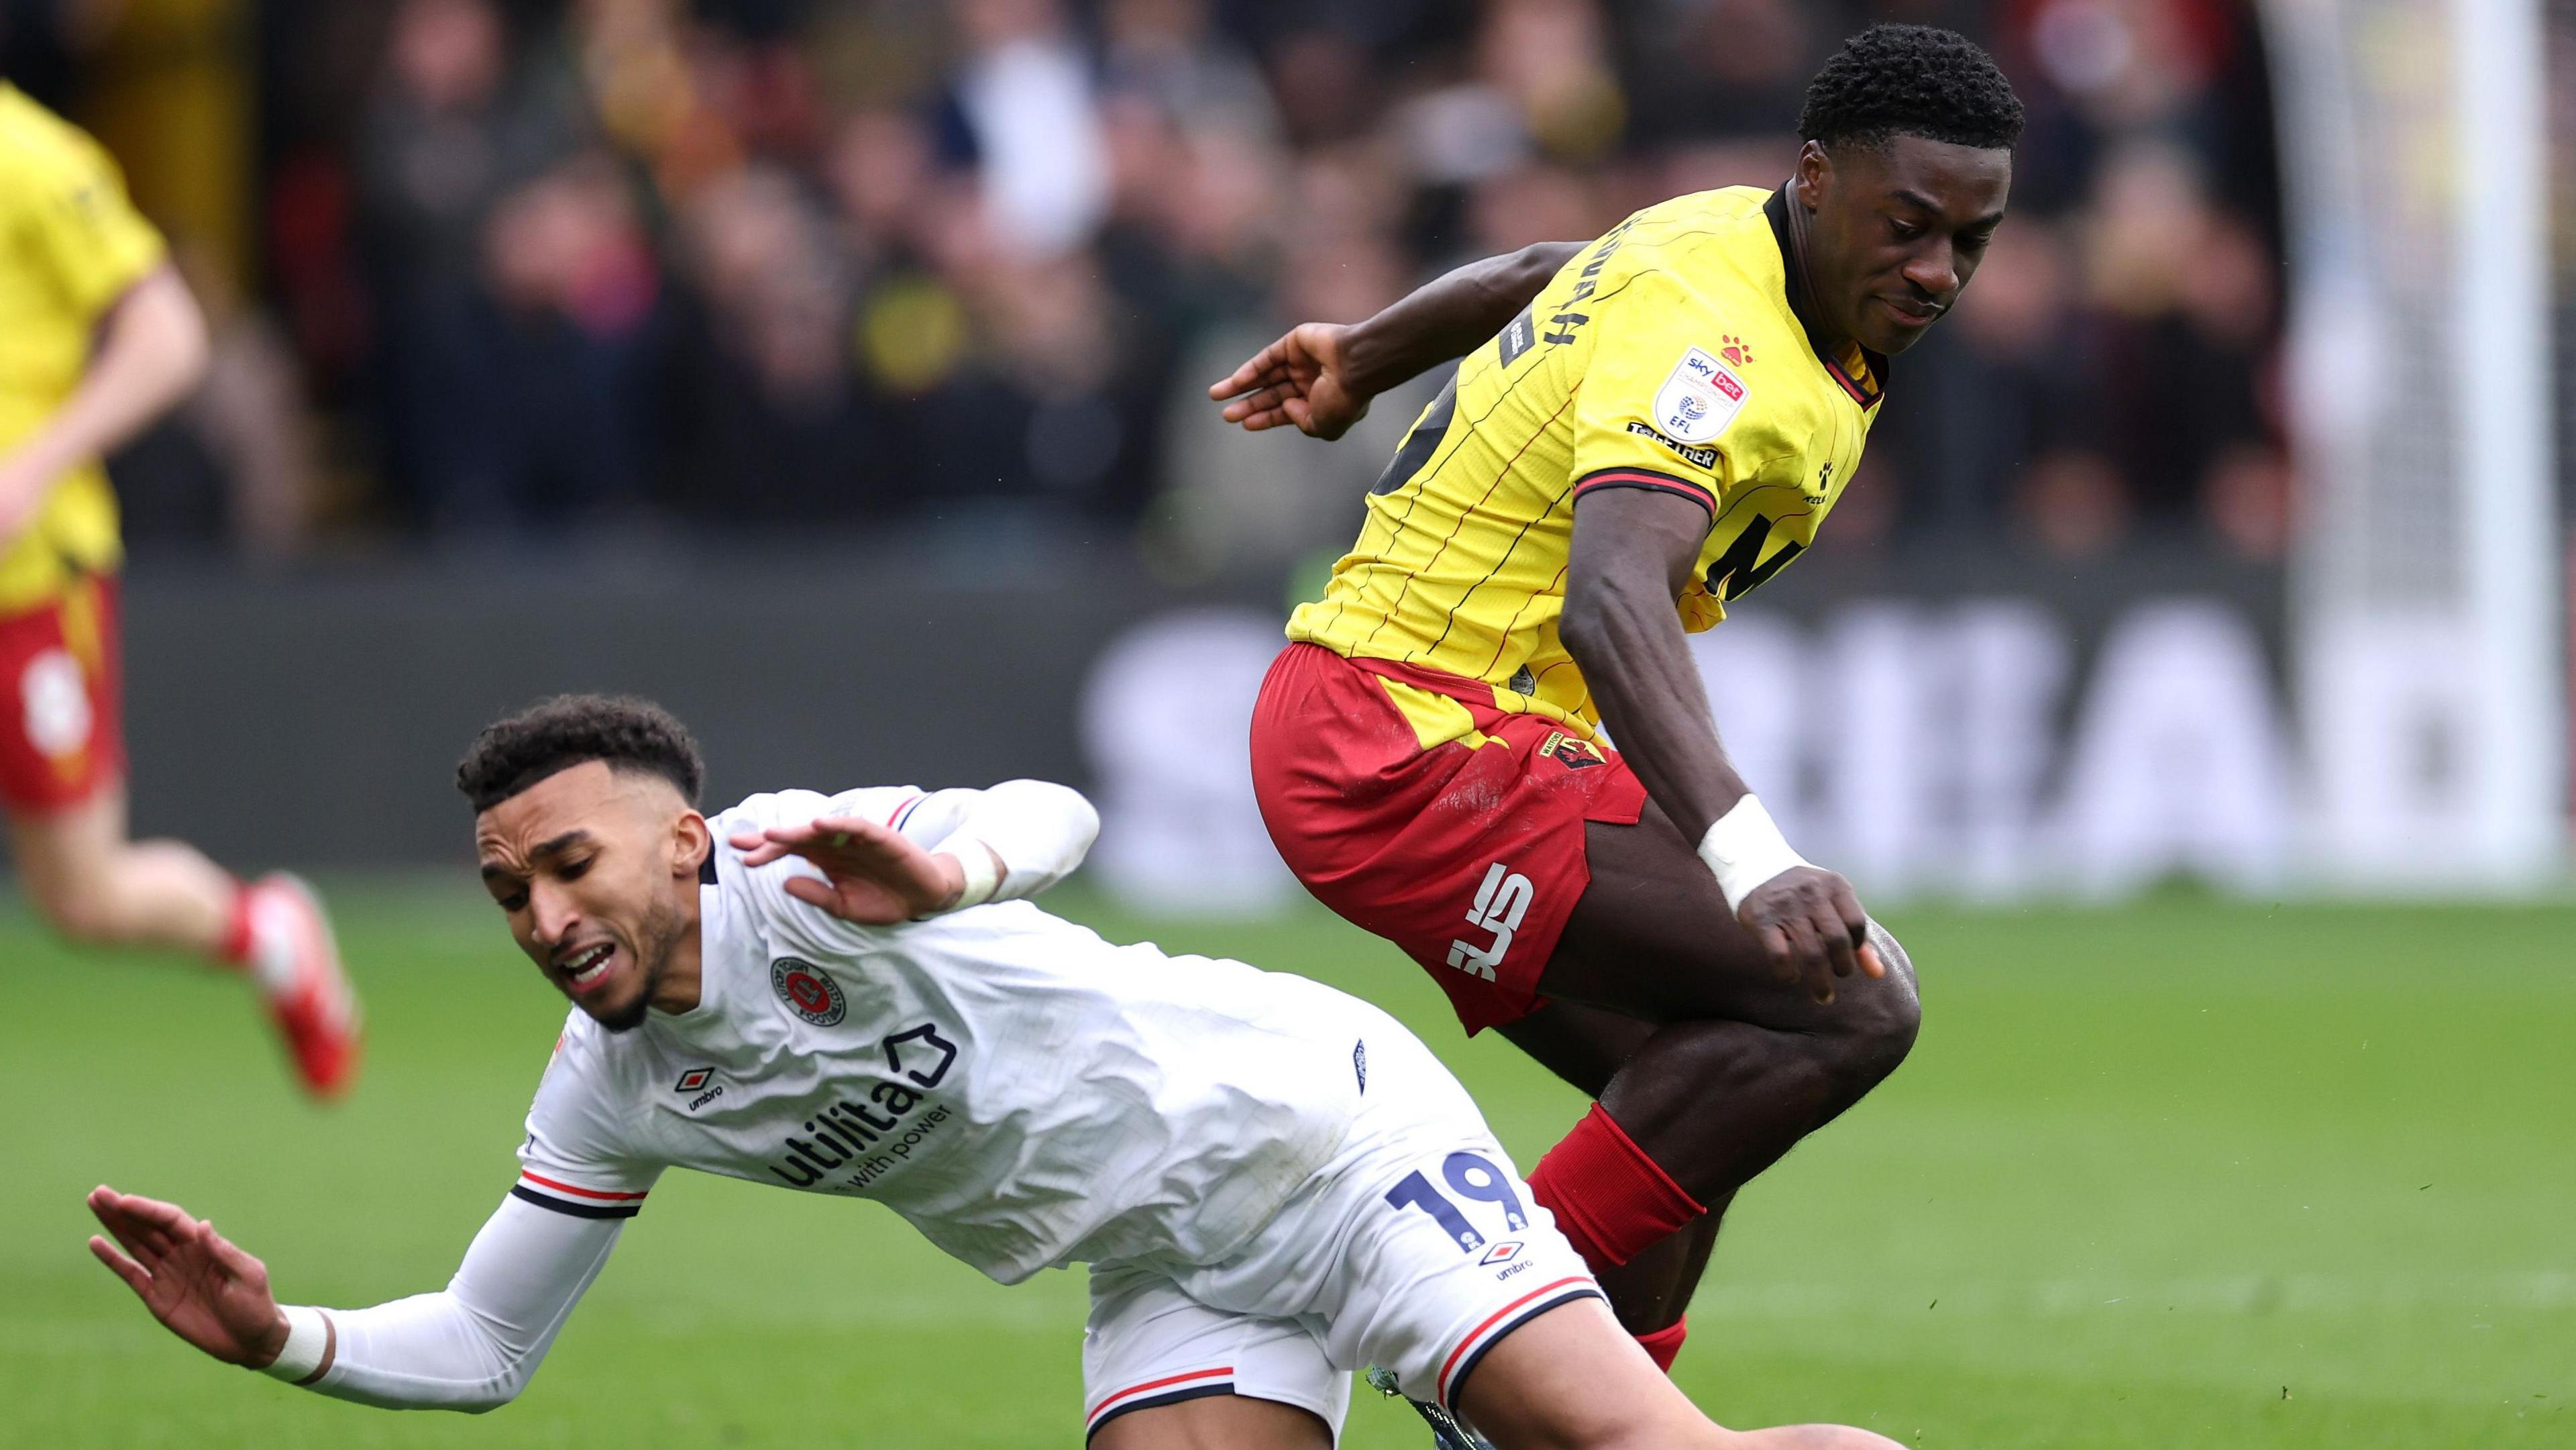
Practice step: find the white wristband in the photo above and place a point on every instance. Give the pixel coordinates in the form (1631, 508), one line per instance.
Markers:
(308, 1338)
(1743, 849)
(975, 858)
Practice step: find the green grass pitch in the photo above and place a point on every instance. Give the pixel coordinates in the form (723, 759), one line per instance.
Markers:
(2179, 1175)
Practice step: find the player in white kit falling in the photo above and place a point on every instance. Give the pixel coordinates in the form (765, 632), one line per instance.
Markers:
(1273, 1182)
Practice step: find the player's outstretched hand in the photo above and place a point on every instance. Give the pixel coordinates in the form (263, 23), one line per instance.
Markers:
(1810, 923)
(872, 874)
(1302, 378)
(194, 1281)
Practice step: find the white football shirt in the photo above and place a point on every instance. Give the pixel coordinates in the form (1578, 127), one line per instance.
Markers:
(1025, 1093)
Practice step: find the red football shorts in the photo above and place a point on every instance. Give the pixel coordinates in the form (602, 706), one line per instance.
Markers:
(1469, 855)
(63, 735)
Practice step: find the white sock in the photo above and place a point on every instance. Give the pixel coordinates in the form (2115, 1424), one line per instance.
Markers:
(272, 943)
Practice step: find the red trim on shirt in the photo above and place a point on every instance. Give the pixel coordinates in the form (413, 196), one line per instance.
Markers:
(578, 1192)
(1645, 478)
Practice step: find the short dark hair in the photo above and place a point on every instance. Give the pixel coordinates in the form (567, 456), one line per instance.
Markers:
(556, 734)
(1911, 80)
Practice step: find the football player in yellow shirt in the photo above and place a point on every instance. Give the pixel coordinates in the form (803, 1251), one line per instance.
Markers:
(98, 337)
(1644, 428)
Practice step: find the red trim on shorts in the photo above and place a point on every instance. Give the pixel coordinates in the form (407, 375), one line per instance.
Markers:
(1582, 1286)
(1221, 1372)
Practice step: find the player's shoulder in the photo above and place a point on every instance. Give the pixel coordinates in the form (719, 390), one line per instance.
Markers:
(583, 1134)
(881, 803)
(36, 144)
(1686, 231)
(1717, 210)
(580, 1089)
(1708, 251)
(756, 899)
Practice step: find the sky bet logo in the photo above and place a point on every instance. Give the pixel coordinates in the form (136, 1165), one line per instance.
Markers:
(1501, 902)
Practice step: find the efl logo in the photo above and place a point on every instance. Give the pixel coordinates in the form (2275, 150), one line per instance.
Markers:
(1501, 902)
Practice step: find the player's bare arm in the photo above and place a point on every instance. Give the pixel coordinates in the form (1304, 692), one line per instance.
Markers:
(1632, 556)
(152, 351)
(1321, 376)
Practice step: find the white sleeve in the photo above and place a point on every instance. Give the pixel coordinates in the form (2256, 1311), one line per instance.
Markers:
(476, 1344)
(1040, 830)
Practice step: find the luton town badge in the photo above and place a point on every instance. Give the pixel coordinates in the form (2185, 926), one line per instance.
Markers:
(808, 991)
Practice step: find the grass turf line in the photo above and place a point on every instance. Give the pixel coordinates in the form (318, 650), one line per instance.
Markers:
(2180, 1175)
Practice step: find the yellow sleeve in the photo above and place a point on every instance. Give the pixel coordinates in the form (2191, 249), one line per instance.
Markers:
(1656, 401)
(80, 228)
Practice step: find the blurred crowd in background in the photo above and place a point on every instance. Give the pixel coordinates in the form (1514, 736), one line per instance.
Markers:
(531, 270)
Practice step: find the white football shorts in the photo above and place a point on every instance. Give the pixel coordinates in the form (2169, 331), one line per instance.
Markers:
(1417, 1248)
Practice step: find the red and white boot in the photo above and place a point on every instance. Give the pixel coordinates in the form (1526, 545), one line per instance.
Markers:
(293, 956)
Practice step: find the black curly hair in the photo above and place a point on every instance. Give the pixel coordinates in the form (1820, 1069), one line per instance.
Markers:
(1911, 80)
(516, 751)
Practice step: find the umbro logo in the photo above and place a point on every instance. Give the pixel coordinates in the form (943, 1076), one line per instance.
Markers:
(701, 1081)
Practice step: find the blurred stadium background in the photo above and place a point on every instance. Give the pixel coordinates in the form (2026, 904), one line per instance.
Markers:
(834, 373)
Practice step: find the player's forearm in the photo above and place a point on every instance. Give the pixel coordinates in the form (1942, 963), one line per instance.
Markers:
(474, 1345)
(151, 354)
(1037, 831)
(1448, 317)
(1622, 632)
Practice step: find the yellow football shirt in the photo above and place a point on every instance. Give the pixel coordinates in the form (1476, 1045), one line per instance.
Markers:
(1671, 354)
(71, 244)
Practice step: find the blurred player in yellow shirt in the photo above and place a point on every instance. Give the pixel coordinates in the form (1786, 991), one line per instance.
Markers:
(98, 337)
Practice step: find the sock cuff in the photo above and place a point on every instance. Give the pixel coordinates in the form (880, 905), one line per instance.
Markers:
(1610, 1198)
(240, 938)
(1665, 1344)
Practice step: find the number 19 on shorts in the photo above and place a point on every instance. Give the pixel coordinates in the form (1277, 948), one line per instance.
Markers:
(1472, 1177)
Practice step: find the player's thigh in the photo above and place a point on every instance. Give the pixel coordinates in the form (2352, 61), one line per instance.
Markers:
(1572, 1379)
(1651, 937)
(1161, 1369)
(62, 850)
(1585, 1046)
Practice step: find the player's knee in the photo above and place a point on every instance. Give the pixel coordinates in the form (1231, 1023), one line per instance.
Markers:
(1881, 1016)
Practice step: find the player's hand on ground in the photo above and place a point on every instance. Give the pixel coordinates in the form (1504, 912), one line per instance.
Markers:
(1810, 924)
(872, 874)
(194, 1281)
(1301, 379)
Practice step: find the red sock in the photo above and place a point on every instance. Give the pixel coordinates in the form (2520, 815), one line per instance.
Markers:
(1665, 1344)
(237, 944)
(1611, 1201)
